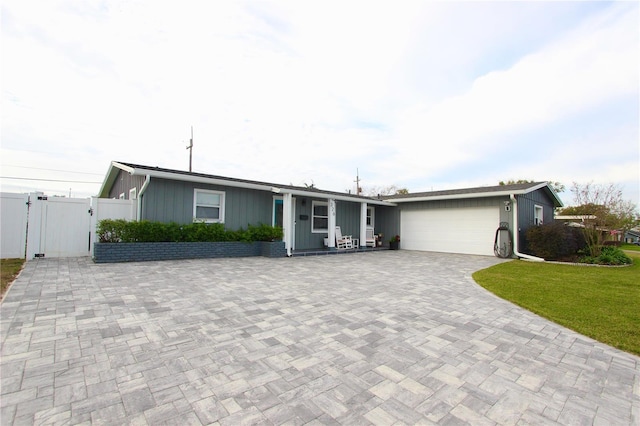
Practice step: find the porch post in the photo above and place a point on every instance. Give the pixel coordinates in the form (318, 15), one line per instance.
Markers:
(287, 221)
(363, 224)
(331, 223)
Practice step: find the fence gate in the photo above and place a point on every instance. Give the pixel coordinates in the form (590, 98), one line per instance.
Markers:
(13, 225)
(35, 225)
(58, 227)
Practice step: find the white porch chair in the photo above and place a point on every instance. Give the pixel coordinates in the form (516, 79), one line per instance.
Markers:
(343, 241)
(370, 237)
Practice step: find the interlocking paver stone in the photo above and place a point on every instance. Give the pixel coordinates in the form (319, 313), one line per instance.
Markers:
(393, 337)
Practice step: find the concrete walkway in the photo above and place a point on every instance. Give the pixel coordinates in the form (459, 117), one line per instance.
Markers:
(392, 337)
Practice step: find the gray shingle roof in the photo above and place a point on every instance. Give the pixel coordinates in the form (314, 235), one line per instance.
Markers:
(477, 192)
(245, 181)
(465, 191)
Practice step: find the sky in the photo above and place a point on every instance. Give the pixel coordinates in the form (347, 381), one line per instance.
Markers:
(422, 95)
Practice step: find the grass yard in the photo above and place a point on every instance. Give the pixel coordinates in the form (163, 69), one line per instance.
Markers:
(9, 268)
(600, 302)
(631, 247)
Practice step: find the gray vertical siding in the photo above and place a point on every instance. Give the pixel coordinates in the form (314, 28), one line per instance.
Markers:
(125, 182)
(347, 217)
(526, 207)
(172, 201)
(387, 222)
(468, 202)
(304, 238)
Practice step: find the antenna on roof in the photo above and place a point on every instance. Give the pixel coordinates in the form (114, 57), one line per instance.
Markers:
(357, 181)
(190, 148)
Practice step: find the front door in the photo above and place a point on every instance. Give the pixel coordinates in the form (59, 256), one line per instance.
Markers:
(278, 217)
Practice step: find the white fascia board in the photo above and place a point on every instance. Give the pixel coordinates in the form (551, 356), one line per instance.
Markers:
(247, 185)
(542, 185)
(111, 176)
(200, 179)
(121, 166)
(576, 217)
(457, 196)
(480, 195)
(534, 188)
(336, 197)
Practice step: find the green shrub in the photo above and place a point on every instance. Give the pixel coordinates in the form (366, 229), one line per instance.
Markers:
(121, 231)
(112, 230)
(200, 231)
(554, 241)
(264, 232)
(609, 255)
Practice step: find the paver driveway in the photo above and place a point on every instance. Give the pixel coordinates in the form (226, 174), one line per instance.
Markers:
(376, 338)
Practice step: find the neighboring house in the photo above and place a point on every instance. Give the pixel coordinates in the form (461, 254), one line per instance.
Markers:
(456, 221)
(467, 220)
(632, 236)
(607, 234)
(307, 215)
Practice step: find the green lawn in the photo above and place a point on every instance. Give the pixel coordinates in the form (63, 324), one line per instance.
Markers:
(631, 247)
(599, 302)
(9, 268)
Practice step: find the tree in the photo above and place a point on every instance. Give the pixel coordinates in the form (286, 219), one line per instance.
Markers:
(374, 191)
(557, 186)
(603, 212)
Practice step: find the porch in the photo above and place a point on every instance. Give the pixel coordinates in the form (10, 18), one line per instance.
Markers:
(331, 251)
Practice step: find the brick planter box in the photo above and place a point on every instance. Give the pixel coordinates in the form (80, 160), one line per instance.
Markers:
(140, 252)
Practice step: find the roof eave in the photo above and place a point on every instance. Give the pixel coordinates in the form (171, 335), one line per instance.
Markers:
(457, 196)
(556, 199)
(110, 178)
(505, 193)
(337, 197)
(160, 174)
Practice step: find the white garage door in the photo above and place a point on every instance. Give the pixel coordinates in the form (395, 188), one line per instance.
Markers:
(461, 230)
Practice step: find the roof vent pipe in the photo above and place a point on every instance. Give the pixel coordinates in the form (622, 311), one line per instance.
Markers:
(515, 233)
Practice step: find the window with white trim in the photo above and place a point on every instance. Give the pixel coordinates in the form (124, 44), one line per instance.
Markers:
(370, 216)
(537, 215)
(320, 216)
(208, 206)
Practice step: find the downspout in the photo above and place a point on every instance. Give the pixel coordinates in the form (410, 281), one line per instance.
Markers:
(287, 221)
(140, 194)
(515, 233)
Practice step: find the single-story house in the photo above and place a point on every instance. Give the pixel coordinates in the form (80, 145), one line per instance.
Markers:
(457, 221)
(608, 235)
(308, 216)
(632, 236)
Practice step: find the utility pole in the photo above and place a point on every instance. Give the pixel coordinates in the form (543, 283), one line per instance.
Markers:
(190, 148)
(357, 181)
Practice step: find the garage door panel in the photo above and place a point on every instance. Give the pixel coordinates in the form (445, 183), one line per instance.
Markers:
(459, 230)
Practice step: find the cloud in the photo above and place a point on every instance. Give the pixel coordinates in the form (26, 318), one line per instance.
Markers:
(411, 94)
(594, 64)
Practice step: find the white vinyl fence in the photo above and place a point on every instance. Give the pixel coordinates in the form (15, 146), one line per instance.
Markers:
(13, 225)
(35, 225)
